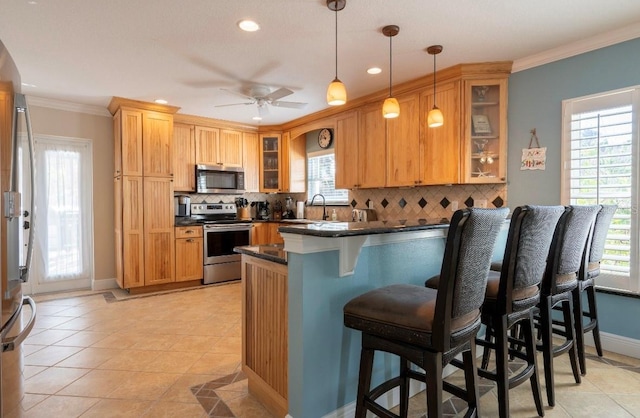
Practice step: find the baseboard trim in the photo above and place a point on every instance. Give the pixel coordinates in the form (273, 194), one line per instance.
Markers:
(616, 344)
(105, 284)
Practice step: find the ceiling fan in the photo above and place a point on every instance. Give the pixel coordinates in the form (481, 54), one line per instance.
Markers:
(263, 96)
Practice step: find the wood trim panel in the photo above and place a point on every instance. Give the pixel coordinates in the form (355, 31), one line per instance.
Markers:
(265, 331)
(120, 102)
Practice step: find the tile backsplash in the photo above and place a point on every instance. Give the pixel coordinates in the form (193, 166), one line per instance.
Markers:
(426, 202)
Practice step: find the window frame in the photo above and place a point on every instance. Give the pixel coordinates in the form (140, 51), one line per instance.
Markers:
(595, 102)
(332, 202)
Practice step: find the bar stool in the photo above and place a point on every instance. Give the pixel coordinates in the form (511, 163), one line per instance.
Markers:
(510, 300)
(560, 280)
(589, 270)
(427, 327)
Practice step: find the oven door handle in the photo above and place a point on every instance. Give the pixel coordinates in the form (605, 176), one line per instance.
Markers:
(227, 228)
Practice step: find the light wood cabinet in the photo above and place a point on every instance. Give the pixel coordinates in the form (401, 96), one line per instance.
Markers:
(231, 147)
(144, 164)
(129, 225)
(128, 142)
(485, 131)
(270, 163)
(294, 164)
(184, 154)
(251, 161)
(403, 144)
(218, 146)
(440, 147)
(159, 245)
(346, 149)
(157, 144)
(207, 145)
(360, 147)
(266, 233)
(189, 253)
(372, 154)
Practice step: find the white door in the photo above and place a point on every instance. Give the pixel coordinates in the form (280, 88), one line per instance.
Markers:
(63, 247)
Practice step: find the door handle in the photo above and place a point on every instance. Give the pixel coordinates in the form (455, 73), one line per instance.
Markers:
(10, 343)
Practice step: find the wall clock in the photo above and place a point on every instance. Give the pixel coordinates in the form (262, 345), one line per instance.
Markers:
(325, 137)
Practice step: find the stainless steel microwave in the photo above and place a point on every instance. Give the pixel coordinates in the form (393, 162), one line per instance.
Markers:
(219, 179)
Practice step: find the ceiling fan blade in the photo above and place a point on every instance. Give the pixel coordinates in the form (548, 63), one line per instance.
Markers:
(237, 93)
(292, 105)
(235, 104)
(278, 94)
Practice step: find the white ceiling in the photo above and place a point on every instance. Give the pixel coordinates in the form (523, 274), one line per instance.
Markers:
(86, 51)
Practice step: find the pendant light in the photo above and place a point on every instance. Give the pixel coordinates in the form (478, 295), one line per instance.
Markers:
(435, 117)
(336, 93)
(390, 108)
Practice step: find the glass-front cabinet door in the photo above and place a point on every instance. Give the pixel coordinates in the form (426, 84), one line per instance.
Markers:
(270, 157)
(485, 143)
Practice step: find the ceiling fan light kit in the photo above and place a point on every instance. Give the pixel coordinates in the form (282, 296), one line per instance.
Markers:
(336, 92)
(435, 118)
(391, 107)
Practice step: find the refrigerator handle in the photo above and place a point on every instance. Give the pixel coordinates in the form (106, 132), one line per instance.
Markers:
(11, 343)
(21, 106)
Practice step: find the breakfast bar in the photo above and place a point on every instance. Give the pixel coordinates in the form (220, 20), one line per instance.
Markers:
(327, 264)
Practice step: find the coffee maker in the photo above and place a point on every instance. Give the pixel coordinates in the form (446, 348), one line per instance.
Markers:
(182, 205)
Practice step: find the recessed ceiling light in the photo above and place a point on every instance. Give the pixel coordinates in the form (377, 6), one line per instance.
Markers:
(374, 70)
(161, 101)
(248, 25)
(32, 2)
(256, 118)
(28, 85)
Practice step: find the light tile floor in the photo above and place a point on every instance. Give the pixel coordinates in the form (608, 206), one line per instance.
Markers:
(178, 355)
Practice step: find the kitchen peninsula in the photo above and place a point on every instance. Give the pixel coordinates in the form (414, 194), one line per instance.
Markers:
(327, 264)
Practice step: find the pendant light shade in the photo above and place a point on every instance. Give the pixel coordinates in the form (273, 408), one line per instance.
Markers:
(336, 92)
(391, 107)
(435, 118)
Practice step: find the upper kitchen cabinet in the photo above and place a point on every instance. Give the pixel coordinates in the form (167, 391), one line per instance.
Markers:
(231, 147)
(294, 163)
(403, 143)
(218, 146)
(251, 161)
(440, 147)
(207, 145)
(270, 162)
(371, 147)
(485, 131)
(184, 154)
(346, 149)
(143, 137)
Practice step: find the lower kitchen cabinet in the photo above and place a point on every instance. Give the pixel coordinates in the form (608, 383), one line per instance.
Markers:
(189, 253)
(266, 233)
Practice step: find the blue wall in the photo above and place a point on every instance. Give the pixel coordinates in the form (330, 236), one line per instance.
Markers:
(535, 101)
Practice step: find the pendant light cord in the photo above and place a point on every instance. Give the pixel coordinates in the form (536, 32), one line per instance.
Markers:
(336, 10)
(390, 64)
(434, 80)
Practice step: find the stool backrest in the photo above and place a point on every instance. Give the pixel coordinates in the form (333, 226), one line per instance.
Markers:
(526, 252)
(567, 250)
(465, 267)
(598, 239)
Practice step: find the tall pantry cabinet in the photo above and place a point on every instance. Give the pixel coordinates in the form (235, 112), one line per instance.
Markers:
(144, 218)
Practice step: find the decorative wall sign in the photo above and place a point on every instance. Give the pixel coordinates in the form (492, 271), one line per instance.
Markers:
(534, 158)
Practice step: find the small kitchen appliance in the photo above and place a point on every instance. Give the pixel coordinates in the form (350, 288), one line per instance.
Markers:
(182, 204)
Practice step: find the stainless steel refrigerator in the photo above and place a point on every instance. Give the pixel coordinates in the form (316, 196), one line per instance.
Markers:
(16, 232)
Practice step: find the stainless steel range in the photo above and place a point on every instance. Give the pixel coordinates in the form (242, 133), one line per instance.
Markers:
(222, 232)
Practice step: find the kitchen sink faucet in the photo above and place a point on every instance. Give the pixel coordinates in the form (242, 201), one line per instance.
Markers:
(324, 205)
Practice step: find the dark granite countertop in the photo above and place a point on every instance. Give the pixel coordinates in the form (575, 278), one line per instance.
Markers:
(269, 252)
(349, 229)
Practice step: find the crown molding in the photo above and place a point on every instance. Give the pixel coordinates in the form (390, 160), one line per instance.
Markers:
(576, 48)
(67, 106)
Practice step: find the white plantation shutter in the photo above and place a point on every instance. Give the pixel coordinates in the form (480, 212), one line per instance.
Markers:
(600, 150)
(321, 175)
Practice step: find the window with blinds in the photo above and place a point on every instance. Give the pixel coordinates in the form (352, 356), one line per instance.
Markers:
(600, 148)
(321, 178)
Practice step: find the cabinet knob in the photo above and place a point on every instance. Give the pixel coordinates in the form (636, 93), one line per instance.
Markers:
(190, 240)
(189, 231)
